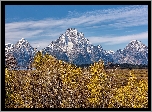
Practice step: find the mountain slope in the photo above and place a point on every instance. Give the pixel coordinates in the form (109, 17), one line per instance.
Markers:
(22, 51)
(9, 48)
(134, 53)
(76, 48)
(73, 47)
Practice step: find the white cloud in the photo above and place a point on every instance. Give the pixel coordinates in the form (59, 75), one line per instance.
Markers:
(51, 28)
(119, 39)
(14, 36)
(40, 44)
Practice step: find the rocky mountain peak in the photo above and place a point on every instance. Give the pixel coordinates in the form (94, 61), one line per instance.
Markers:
(71, 32)
(9, 47)
(136, 45)
(73, 47)
(22, 40)
(22, 51)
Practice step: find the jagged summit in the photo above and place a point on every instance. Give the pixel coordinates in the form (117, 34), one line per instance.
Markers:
(72, 32)
(9, 48)
(70, 38)
(22, 51)
(136, 45)
(22, 40)
(8, 44)
(135, 41)
(134, 53)
(110, 52)
(70, 44)
(73, 47)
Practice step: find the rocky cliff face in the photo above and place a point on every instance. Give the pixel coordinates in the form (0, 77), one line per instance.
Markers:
(73, 47)
(22, 51)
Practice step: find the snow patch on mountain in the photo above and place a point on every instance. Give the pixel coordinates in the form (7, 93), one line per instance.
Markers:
(134, 53)
(22, 51)
(70, 46)
(110, 52)
(9, 48)
(79, 50)
(73, 47)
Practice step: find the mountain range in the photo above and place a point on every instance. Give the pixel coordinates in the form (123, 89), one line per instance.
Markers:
(22, 51)
(73, 47)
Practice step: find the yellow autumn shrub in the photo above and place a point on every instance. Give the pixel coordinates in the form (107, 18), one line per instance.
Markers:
(133, 95)
(97, 85)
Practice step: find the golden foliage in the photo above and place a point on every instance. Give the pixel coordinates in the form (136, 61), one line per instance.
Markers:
(57, 84)
(133, 95)
(97, 84)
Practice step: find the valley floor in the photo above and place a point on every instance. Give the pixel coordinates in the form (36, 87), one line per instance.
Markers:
(33, 86)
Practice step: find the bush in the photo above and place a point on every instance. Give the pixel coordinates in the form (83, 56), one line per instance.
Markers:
(56, 84)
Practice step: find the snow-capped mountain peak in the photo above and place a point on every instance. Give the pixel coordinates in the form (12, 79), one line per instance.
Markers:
(136, 45)
(22, 51)
(73, 47)
(8, 44)
(9, 48)
(135, 41)
(71, 32)
(110, 52)
(134, 53)
(22, 40)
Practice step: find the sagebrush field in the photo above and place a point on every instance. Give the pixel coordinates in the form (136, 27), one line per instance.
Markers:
(56, 84)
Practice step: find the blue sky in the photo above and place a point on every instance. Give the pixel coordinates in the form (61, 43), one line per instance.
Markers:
(111, 26)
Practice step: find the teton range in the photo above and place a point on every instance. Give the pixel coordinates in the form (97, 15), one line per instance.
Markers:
(73, 47)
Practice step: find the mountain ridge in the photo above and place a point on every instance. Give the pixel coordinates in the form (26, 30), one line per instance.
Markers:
(73, 47)
(22, 51)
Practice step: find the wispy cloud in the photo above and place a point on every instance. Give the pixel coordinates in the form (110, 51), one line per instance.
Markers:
(13, 36)
(51, 28)
(119, 39)
(40, 44)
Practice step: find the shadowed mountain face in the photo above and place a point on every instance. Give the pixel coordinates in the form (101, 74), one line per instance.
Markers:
(78, 50)
(22, 51)
(134, 53)
(73, 47)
